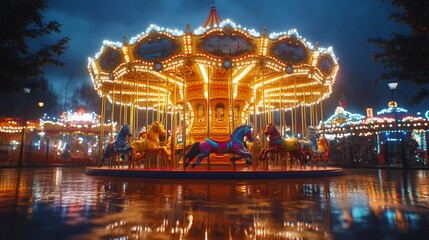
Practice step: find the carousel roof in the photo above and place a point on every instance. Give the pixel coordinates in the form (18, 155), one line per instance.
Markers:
(276, 70)
(74, 122)
(14, 125)
(343, 117)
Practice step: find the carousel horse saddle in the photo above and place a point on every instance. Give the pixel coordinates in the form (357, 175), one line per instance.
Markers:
(223, 146)
(290, 144)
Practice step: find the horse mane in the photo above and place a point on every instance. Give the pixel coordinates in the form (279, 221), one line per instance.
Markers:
(123, 128)
(153, 124)
(238, 128)
(311, 136)
(276, 127)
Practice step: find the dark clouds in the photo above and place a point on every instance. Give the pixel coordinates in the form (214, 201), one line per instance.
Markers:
(345, 25)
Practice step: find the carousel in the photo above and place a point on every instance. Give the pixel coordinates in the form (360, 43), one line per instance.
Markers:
(13, 133)
(212, 89)
(391, 137)
(74, 136)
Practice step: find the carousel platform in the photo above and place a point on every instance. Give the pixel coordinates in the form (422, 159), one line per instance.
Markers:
(216, 173)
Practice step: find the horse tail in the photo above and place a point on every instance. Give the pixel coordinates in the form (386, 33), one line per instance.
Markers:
(194, 151)
(133, 150)
(105, 154)
(191, 154)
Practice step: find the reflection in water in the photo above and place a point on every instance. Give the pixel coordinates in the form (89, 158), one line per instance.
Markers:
(61, 203)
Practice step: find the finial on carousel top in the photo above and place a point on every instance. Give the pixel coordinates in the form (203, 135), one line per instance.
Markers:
(264, 31)
(213, 19)
(188, 28)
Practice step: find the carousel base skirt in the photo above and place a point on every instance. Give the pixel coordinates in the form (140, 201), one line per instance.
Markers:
(216, 173)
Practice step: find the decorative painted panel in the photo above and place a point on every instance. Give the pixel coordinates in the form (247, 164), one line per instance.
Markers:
(326, 64)
(159, 49)
(110, 59)
(290, 51)
(231, 46)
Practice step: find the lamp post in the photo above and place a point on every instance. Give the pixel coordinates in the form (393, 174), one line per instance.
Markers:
(24, 124)
(392, 86)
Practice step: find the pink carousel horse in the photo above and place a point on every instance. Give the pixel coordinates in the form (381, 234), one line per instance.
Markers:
(149, 142)
(232, 145)
(299, 150)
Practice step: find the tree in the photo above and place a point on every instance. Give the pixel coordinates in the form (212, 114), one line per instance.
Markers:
(406, 57)
(87, 98)
(12, 104)
(23, 58)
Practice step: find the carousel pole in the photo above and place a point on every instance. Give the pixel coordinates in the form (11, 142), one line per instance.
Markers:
(255, 122)
(147, 101)
(321, 115)
(294, 110)
(282, 123)
(136, 107)
(231, 109)
(102, 120)
(112, 113)
(303, 113)
(158, 113)
(281, 118)
(184, 121)
(208, 112)
(121, 106)
(264, 112)
(231, 102)
(316, 114)
(268, 108)
(132, 110)
(166, 121)
(173, 129)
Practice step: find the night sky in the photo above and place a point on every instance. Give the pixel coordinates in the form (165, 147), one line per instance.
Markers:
(344, 25)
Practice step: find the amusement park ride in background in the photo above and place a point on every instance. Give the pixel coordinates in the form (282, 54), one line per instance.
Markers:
(204, 83)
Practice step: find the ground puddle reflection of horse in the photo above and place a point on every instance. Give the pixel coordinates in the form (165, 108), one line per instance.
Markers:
(233, 145)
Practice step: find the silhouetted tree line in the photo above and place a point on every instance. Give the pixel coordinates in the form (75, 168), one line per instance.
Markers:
(405, 57)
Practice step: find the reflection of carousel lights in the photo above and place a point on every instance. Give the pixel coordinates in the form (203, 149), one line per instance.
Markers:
(291, 230)
(143, 229)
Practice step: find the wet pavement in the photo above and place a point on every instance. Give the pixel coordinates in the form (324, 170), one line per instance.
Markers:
(66, 203)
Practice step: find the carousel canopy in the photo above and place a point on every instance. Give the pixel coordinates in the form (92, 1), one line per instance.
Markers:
(15, 125)
(162, 68)
(343, 117)
(74, 122)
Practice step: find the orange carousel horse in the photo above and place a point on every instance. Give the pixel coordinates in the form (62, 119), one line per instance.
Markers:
(322, 154)
(149, 142)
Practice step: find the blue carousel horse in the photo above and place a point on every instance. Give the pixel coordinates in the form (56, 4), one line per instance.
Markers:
(119, 146)
(309, 146)
(233, 145)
